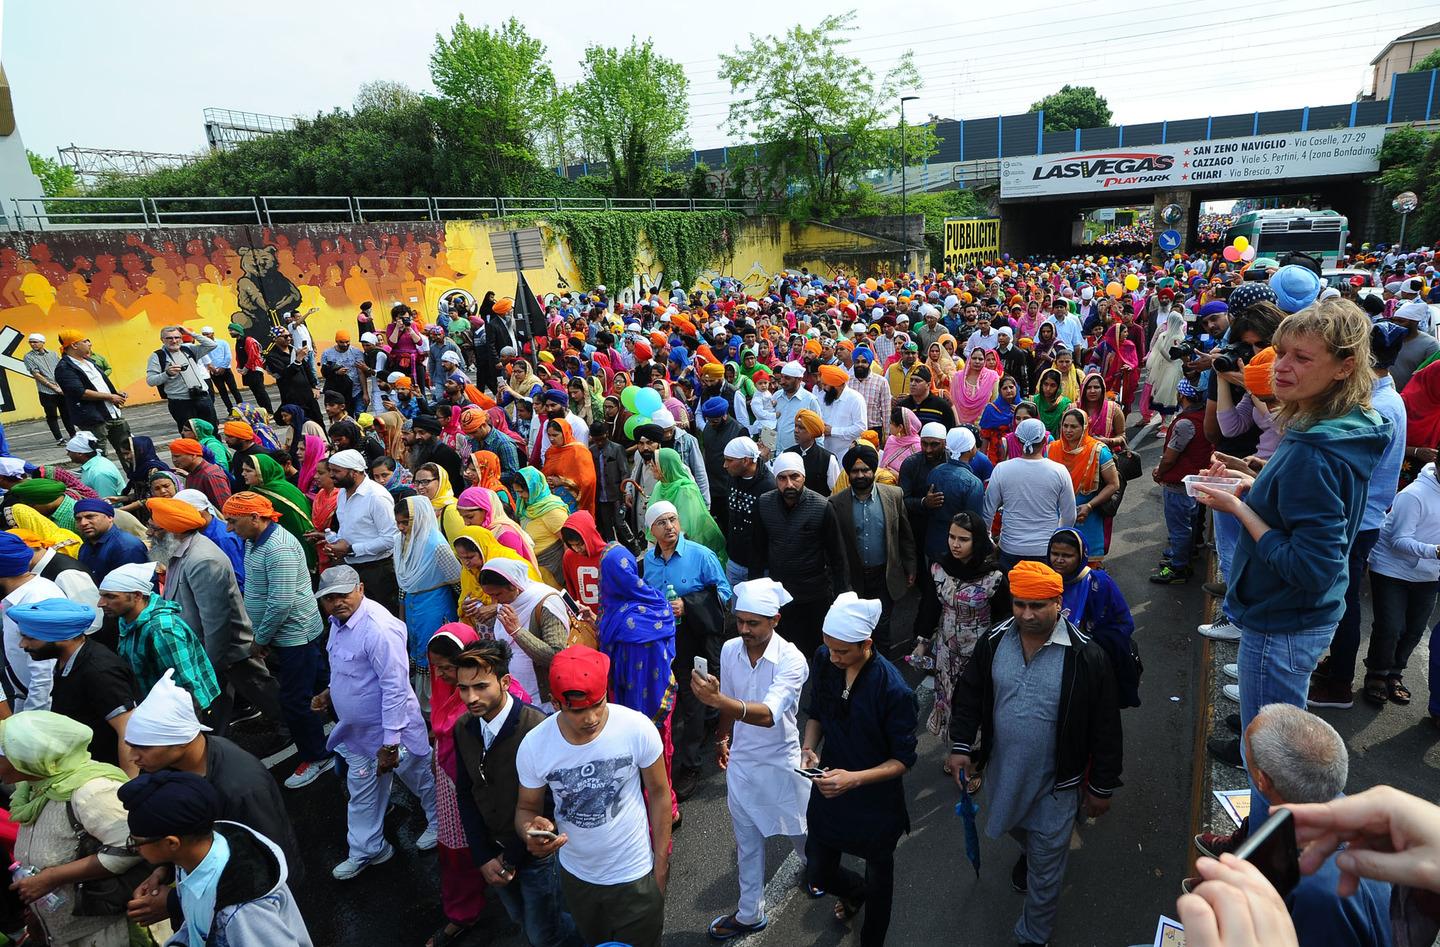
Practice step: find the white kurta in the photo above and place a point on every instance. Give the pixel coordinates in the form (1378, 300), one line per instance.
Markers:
(761, 778)
(846, 418)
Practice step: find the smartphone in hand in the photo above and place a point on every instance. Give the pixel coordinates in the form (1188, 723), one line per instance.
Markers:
(812, 772)
(1272, 849)
(702, 665)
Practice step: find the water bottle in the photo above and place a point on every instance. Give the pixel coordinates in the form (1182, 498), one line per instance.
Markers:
(670, 594)
(52, 902)
(922, 663)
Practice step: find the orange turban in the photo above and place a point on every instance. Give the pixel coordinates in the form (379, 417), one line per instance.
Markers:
(503, 306)
(871, 438)
(342, 336)
(813, 346)
(239, 429)
(713, 371)
(246, 502)
(403, 383)
(833, 375)
(845, 344)
(185, 446)
(1035, 581)
(643, 351)
(471, 419)
(657, 339)
(811, 422)
(31, 539)
(174, 516)
(1259, 373)
(69, 337)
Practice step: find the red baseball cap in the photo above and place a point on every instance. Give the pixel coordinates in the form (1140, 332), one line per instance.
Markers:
(579, 677)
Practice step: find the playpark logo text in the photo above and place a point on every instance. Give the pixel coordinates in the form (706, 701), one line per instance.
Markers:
(1120, 168)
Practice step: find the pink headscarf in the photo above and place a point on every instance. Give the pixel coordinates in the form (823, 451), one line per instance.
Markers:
(445, 703)
(505, 530)
(501, 423)
(314, 451)
(900, 446)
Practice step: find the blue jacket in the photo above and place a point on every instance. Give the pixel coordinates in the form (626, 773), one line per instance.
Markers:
(963, 491)
(1324, 919)
(1312, 494)
(1388, 403)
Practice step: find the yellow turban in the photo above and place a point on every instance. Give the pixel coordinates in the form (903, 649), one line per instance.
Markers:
(811, 422)
(833, 375)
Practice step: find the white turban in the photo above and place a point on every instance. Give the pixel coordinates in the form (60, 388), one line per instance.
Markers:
(131, 577)
(81, 443)
(348, 460)
(664, 418)
(742, 448)
(852, 618)
(12, 467)
(37, 337)
(368, 338)
(958, 441)
(762, 596)
(788, 462)
(1030, 431)
(793, 370)
(200, 501)
(166, 717)
(933, 429)
(657, 510)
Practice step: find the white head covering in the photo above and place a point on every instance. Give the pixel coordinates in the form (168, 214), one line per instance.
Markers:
(37, 337)
(789, 462)
(762, 596)
(368, 338)
(664, 418)
(793, 370)
(166, 717)
(958, 441)
(742, 448)
(1030, 431)
(852, 618)
(12, 467)
(131, 577)
(198, 500)
(348, 460)
(82, 443)
(452, 357)
(933, 429)
(393, 377)
(657, 510)
(1329, 292)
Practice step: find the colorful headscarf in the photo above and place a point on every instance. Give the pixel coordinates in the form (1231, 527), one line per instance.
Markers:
(55, 748)
(637, 631)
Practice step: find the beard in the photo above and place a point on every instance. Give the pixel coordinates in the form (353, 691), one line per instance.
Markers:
(164, 548)
(832, 395)
(790, 494)
(862, 371)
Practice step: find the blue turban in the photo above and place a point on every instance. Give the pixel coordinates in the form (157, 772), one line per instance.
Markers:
(1295, 287)
(52, 619)
(1213, 307)
(94, 506)
(14, 556)
(865, 351)
(1188, 390)
(170, 802)
(715, 407)
(556, 396)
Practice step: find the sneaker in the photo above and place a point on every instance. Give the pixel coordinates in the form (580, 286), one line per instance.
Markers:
(1222, 630)
(306, 773)
(1233, 722)
(1019, 876)
(1170, 575)
(428, 839)
(244, 716)
(1325, 692)
(1231, 671)
(351, 867)
(1226, 750)
(1213, 844)
(1231, 691)
(1217, 589)
(686, 782)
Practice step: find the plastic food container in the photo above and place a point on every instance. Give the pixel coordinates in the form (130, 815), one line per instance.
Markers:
(1231, 484)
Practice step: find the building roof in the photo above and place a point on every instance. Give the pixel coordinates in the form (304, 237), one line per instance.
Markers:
(1425, 32)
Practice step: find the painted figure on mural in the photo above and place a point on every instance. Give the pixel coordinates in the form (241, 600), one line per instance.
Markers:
(264, 294)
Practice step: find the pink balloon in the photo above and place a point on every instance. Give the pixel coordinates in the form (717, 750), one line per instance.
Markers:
(1248, 255)
(1231, 254)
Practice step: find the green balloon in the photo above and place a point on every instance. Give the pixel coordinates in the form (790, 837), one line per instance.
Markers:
(631, 423)
(627, 398)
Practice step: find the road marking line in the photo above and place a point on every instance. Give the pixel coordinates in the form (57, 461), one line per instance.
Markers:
(782, 889)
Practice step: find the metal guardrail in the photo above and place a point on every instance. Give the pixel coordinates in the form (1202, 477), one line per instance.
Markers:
(51, 213)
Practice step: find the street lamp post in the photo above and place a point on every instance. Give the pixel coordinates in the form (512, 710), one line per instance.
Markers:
(904, 232)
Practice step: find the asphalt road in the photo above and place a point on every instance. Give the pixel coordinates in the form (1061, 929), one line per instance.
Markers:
(1124, 869)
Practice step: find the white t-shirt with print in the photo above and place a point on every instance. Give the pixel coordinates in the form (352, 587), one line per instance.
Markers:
(598, 802)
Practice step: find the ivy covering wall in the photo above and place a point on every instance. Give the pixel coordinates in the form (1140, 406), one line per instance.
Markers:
(605, 244)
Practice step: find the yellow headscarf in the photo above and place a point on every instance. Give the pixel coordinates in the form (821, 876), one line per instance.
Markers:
(41, 525)
(490, 548)
(444, 505)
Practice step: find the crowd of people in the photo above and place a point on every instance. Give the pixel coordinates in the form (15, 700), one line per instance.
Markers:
(536, 577)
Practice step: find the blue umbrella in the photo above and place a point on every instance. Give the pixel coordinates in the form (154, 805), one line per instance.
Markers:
(966, 809)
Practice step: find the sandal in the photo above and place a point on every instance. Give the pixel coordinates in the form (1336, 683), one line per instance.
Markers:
(1399, 693)
(1377, 690)
(444, 938)
(724, 928)
(846, 908)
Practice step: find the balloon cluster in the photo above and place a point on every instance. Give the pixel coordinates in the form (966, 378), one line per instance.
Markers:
(642, 403)
(1239, 250)
(1115, 290)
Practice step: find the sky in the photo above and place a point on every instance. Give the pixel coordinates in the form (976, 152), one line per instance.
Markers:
(137, 75)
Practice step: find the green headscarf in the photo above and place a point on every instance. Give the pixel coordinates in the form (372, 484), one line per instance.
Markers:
(1050, 415)
(205, 434)
(287, 499)
(541, 500)
(34, 491)
(56, 748)
(677, 486)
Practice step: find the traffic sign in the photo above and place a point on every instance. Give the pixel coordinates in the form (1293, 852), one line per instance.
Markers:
(1169, 240)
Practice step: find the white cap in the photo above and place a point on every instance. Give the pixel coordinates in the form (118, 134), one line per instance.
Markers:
(1413, 311)
(658, 509)
(793, 370)
(130, 577)
(1030, 431)
(207, 331)
(37, 337)
(852, 618)
(368, 338)
(664, 418)
(762, 596)
(12, 467)
(166, 717)
(788, 462)
(958, 441)
(393, 377)
(451, 358)
(348, 460)
(933, 429)
(742, 448)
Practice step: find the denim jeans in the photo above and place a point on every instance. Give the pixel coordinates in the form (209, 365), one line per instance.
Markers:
(297, 668)
(1347, 636)
(1402, 609)
(1275, 668)
(1434, 670)
(736, 573)
(532, 899)
(1227, 534)
(1179, 510)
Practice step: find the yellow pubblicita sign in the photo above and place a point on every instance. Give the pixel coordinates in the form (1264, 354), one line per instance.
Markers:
(969, 239)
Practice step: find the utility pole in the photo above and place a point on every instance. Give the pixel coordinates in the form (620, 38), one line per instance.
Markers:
(904, 228)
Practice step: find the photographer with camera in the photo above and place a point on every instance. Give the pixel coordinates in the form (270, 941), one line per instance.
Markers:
(177, 371)
(406, 343)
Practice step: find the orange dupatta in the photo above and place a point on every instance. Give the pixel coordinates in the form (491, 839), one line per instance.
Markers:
(1083, 462)
(570, 460)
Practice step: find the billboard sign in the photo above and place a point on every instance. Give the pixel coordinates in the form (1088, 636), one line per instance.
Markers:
(970, 239)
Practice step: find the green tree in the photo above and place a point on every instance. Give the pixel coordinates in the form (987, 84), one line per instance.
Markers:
(1410, 161)
(823, 115)
(498, 97)
(385, 94)
(56, 180)
(1073, 107)
(1431, 61)
(630, 109)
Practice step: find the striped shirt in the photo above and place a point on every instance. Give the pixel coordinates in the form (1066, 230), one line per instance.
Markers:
(158, 640)
(277, 591)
